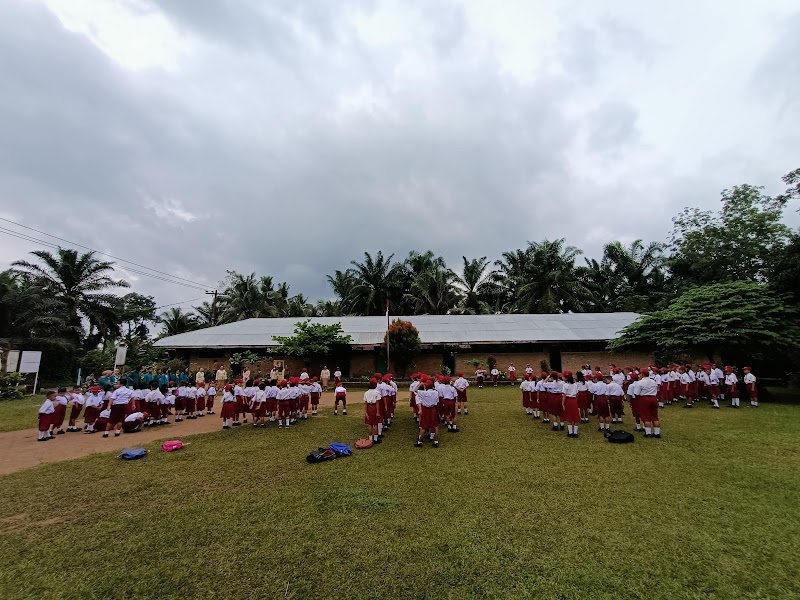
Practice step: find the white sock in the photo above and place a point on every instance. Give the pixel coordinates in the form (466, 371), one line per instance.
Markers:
(716, 404)
(657, 430)
(660, 405)
(562, 424)
(575, 429)
(647, 430)
(380, 428)
(569, 429)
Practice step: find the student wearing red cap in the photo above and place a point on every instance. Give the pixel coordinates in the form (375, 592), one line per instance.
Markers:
(711, 385)
(294, 399)
(228, 411)
(412, 390)
(94, 403)
(303, 397)
(569, 404)
(750, 384)
(284, 405)
(200, 403)
(635, 401)
(316, 394)
(555, 387)
(428, 400)
(259, 405)
(371, 418)
(732, 386)
(616, 400)
(584, 396)
(540, 399)
(447, 397)
(685, 386)
(600, 401)
(646, 391)
(526, 387)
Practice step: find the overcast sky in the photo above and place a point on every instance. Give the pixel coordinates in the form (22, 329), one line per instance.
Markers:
(287, 137)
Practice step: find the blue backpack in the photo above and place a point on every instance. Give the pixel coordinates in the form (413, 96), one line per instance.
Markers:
(133, 453)
(341, 449)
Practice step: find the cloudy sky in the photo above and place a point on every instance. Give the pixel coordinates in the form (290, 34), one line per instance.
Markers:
(287, 137)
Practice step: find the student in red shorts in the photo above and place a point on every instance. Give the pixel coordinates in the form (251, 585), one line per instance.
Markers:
(750, 384)
(461, 384)
(228, 411)
(340, 395)
(315, 394)
(371, 418)
(46, 411)
(646, 391)
(428, 400)
(584, 396)
(600, 399)
(569, 404)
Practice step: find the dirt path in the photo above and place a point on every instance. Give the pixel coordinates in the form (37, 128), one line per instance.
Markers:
(20, 450)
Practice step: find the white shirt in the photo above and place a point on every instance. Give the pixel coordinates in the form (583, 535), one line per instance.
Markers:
(413, 387)
(600, 388)
(337, 374)
(316, 388)
(304, 376)
(614, 389)
(212, 391)
(169, 399)
(105, 414)
(718, 372)
(645, 387)
(191, 392)
(731, 379)
(134, 417)
(461, 384)
(62, 400)
(340, 390)
(525, 386)
(749, 378)
(528, 370)
(448, 392)
(121, 395)
(713, 379)
(685, 379)
(228, 397)
(261, 396)
(703, 376)
(512, 369)
(371, 396)
(78, 399)
(427, 398)
(618, 378)
(570, 389)
(47, 407)
(495, 372)
(95, 399)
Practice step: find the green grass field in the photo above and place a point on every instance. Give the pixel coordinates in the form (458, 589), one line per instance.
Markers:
(20, 414)
(506, 508)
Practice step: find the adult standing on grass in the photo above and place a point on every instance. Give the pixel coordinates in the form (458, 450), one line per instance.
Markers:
(325, 377)
(120, 398)
(646, 391)
(221, 378)
(200, 376)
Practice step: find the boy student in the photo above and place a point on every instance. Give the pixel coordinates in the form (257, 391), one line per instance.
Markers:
(259, 405)
(337, 377)
(133, 422)
(461, 385)
(600, 399)
(412, 389)
(712, 385)
(684, 382)
(228, 406)
(525, 387)
(120, 398)
(315, 394)
(46, 412)
(284, 406)
(61, 410)
(200, 404)
(428, 399)
(731, 386)
(211, 395)
(447, 396)
(153, 402)
(646, 391)
(180, 402)
(569, 404)
(94, 404)
(750, 383)
(615, 400)
(77, 406)
(371, 418)
(303, 396)
(294, 396)
(495, 376)
(339, 395)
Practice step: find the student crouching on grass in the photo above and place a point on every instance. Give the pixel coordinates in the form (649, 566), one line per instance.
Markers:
(371, 418)
(46, 412)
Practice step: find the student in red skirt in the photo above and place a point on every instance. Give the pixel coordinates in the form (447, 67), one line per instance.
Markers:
(46, 412)
(461, 384)
(428, 400)
(259, 406)
(228, 411)
(447, 397)
(272, 400)
(412, 389)
(60, 413)
(211, 395)
(600, 400)
(340, 395)
(616, 400)
(569, 404)
(543, 397)
(120, 398)
(371, 418)
(635, 401)
(731, 386)
(315, 394)
(200, 401)
(555, 388)
(750, 384)
(646, 391)
(284, 405)
(77, 399)
(303, 396)
(525, 387)
(94, 404)
(584, 396)
(512, 372)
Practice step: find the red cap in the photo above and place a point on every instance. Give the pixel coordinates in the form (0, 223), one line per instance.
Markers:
(446, 379)
(373, 381)
(616, 370)
(598, 375)
(237, 381)
(283, 383)
(386, 378)
(567, 373)
(747, 369)
(257, 381)
(304, 370)
(635, 376)
(315, 378)
(460, 373)
(229, 387)
(428, 383)
(95, 388)
(664, 369)
(145, 415)
(729, 369)
(553, 373)
(378, 376)
(544, 373)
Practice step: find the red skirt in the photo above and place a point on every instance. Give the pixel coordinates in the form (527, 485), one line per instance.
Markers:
(429, 417)
(752, 391)
(44, 421)
(714, 390)
(526, 400)
(293, 402)
(59, 414)
(461, 395)
(153, 410)
(118, 413)
(635, 408)
(314, 398)
(733, 390)
(180, 403)
(616, 405)
(303, 402)
(228, 410)
(259, 409)
(535, 401)
(388, 407)
(572, 413)
(512, 376)
(648, 408)
(190, 404)
(555, 405)
(584, 399)
(90, 414)
(201, 403)
(449, 409)
(341, 396)
(210, 402)
(601, 408)
(272, 405)
(412, 402)
(371, 415)
(284, 408)
(75, 412)
(479, 379)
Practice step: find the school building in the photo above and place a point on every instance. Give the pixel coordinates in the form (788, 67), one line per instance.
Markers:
(561, 341)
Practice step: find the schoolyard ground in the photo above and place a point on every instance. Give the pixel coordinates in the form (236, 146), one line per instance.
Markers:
(505, 508)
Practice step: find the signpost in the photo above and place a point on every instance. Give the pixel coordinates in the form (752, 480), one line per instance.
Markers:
(29, 363)
(122, 354)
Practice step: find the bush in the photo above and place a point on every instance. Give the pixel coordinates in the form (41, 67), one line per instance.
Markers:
(10, 386)
(491, 361)
(96, 361)
(404, 344)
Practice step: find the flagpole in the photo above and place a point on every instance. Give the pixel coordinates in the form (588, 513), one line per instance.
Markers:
(387, 334)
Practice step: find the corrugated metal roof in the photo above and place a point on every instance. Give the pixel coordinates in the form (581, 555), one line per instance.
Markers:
(433, 329)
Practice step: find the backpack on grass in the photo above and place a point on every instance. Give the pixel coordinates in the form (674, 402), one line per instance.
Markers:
(320, 455)
(618, 436)
(341, 449)
(363, 444)
(132, 453)
(172, 445)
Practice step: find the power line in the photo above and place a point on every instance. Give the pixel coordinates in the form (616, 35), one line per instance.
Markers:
(26, 237)
(97, 251)
(177, 303)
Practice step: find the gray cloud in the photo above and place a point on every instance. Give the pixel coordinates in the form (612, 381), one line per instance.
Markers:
(288, 141)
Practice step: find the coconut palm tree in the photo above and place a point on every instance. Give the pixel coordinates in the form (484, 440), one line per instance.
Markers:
(79, 282)
(375, 281)
(513, 271)
(477, 287)
(555, 284)
(432, 292)
(245, 298)
(176, 321)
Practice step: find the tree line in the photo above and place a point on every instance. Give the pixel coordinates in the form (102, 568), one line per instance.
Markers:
(71, 302)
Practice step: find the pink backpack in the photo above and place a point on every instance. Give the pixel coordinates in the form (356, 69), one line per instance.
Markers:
(172, 445)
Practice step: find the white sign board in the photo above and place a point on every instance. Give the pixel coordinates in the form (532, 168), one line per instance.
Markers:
(122, 354)
(12, 360)
(30, 361)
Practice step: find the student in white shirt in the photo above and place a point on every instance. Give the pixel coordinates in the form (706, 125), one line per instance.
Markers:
(337, 376)
(315, 394)
(200, 401)
(732, 386)
(461, 384)
(584, 396)
(260, 405)
(371, 417)
(412, 389)
(512, 372)
(526, 388)
(752, 389)
(284, 403)
(600, 401)
(646, 391)
(615, 400)
(46, 411)
(428, 401)
(447, 396)
(133, 422)
(569, 404)
(228, 406)
(495, 376)
(61, 402)
(191, 401)
(77, 399)
(211, 395)
(340, 395)
(120, 398)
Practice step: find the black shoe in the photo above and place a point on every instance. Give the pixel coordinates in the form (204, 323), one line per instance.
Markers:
(601, 429)
(435, 443)
(657, 435)
(691, 406)
(59, 432)
(647, 435)
(344, 412)
(561, 427)
(244, 421)
(417, 444)
(236, 424)
(42, 440)
(454, 430)
(226, 426)
(535, 417)
(379, 441)
(555, 427)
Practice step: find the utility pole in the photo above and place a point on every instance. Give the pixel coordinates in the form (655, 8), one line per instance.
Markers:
(213, 305)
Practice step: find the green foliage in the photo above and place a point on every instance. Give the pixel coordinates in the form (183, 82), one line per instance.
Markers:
(784, 276)
(491, 361)
(245, 358)
(11, 386)
(176, 321)
(96, 361)
(475, 362)
(738, 243)
(312, 339)
(743, 317)
(404, 344)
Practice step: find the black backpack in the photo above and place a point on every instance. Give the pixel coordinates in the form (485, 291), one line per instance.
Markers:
(320, 455)
(619, 437)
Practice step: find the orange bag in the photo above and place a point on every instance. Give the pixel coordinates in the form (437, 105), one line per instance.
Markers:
(363, 444)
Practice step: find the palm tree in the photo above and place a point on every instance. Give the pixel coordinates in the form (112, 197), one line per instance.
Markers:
(209, 314)
(433, 293)
(343, 284)
(79, 281)
(513, 271)
(478, 290)
(374, 282)
(176, 321)
(244, 298)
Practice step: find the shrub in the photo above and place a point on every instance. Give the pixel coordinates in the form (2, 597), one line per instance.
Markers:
(10, 386)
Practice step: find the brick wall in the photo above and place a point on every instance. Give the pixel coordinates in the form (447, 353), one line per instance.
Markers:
(572, 361)
(503, 360)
